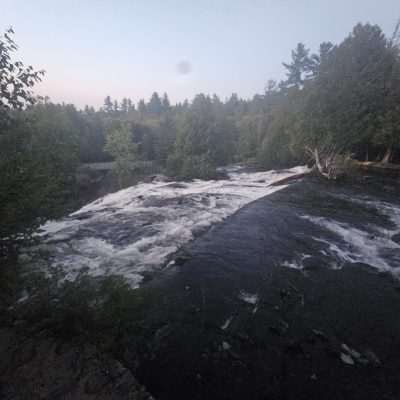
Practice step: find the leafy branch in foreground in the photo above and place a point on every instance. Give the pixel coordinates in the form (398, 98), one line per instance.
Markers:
(37, 153)
(16, 79)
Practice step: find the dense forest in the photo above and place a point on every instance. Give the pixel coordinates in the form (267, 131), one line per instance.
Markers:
(342, 100)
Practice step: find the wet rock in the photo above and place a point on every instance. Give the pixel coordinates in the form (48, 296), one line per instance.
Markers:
(250, 298)
(353, 353)
(372, 358)
(227, 323)
(320, 335)
(346, 359)
(162, 333)
(226, 346)
(61, 370)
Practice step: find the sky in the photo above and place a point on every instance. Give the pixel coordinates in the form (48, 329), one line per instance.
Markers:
(127, 48)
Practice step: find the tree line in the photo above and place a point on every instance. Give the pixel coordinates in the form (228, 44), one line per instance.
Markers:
(343, 98)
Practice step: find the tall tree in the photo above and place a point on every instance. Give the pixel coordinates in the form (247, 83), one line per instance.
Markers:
(165, 103)
(124, 105)
(301, 67)
(142, 108)
(155, 106)
(108, 104)
(120, 146)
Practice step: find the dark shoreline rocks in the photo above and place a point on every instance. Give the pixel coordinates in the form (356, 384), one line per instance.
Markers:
(42, 367)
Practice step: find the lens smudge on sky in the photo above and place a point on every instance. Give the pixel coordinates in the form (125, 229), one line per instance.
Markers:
(184, 68)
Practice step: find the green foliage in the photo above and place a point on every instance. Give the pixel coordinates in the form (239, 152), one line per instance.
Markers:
(205, 140)
(120, 145)
(38, 158)
(155, 105)
(38, 153)
(301, 68)
(16, 80)
(344, 98)
(104, 311)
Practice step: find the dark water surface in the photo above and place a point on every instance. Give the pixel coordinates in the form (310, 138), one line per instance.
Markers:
(296, 296)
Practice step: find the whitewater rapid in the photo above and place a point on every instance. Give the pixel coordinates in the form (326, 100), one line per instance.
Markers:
(367, 243)
(136, 230)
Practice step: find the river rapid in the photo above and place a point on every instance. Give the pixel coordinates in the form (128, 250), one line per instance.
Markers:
(133, 232)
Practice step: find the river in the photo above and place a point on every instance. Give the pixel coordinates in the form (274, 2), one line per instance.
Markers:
(257, 291)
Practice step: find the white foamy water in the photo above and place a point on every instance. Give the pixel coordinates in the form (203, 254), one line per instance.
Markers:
(251, 298)
(370, 244)
(134, 230)
(359, 245)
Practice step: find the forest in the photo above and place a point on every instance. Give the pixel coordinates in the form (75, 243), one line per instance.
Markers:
(342, 100)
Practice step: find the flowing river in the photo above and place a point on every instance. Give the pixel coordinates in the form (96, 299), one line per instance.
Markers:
(294, 296)
(134, 231)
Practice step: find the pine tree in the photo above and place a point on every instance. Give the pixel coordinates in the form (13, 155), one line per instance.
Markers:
(165, 103)
(155, 106)
(142, 108)
(108, 104)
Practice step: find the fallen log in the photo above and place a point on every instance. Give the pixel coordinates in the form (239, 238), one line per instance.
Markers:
(378, 167)
(291, 178)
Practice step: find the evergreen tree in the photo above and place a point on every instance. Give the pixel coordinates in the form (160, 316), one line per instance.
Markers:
(165, 103)
(131, 106)
(108, 105)
(116, 106)
(142, 108)
(155, 106)
(124, 105)
(301, 67)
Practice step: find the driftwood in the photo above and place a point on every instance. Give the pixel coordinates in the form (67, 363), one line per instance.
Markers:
(387, 157)
(330, 163)
(283, 181)
(378, 167)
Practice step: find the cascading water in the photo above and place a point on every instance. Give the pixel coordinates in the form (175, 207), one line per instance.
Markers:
(133, 231)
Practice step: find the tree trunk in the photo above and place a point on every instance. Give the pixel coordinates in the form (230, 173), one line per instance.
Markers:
(388, 155)
(319, 165)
